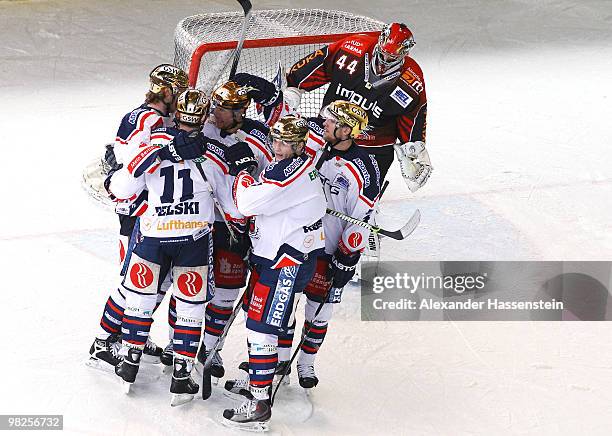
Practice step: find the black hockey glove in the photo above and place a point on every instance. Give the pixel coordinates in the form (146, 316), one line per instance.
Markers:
(263, 92)
(184, 146)
(342, 268)
(239, 157)
(109, 161)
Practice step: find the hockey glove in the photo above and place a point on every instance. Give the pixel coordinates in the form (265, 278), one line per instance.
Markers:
(184, 146)
(109, 161)
(415, 164)
(240, 157)
(262, 91)
(342, 267)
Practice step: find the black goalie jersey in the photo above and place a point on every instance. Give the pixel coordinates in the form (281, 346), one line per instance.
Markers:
(396, 106)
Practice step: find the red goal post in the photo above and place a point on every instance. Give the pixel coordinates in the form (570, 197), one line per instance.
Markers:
(205, 44)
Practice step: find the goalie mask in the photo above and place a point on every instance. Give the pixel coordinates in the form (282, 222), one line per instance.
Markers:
(347, 114)
(232, 96)
(192, 107)
(168, 76)
(291, 130)
(394, 42)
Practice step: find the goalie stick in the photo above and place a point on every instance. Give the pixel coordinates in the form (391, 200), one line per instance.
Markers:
(400, 234)
(246, 7)
(206, 375)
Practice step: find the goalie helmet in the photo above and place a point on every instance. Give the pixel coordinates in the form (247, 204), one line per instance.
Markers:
(347, 114)
(232, 96)
(168, 76)
(192, 107)
(394, 42)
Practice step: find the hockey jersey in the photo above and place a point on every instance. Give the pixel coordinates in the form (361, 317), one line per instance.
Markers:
(254, 134)
(181, 207)
(132, 139)
(351, 181)
(288, 204)
(396, 106)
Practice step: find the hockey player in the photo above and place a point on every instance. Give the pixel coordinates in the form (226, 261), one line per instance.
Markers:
(351, 180)
(176, 236)
(287, 204)
(234, 142)
(133, 137)
(381, 77)
(230, 126)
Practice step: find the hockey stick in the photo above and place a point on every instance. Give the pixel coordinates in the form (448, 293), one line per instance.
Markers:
(215, 201)
(206, 375)
(246, 7)
(130, 247)
(400, 234)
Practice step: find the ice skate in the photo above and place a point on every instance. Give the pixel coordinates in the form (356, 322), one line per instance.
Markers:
(251, 415)
(182, 387)
(167, 356)
(152, 352)
(128, 368)
(307, 377)
(104, 354)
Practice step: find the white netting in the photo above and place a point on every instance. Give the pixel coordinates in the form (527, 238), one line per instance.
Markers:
(204, 29)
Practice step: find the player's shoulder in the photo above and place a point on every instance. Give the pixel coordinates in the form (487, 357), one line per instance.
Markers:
(285, 171)
(357, 44)
(363, 167)
(315, 125)
(412, 76)
(141, 112)
(215, 150)
(256, 129)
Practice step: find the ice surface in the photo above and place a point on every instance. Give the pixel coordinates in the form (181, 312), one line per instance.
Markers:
(519, 135)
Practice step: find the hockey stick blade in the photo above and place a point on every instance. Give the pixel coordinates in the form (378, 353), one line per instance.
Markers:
(400, 234)
(405, 231)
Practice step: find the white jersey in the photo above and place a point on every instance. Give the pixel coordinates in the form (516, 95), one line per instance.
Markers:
(351, 181)
(254, 134)
(288, 204)
(132, 148)
(180, 206)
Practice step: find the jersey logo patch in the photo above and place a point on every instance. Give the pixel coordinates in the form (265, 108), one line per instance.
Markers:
(190, 283)
(141, 275)
(401, 97)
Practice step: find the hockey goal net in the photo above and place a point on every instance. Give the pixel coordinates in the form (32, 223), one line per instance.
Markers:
(205, 44)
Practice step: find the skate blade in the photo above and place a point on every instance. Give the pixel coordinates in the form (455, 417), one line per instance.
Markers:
(100, 365)
(125, 386)
(255, 427)
(215, 381)
(236, 396)
(180, 399)
(153, 360)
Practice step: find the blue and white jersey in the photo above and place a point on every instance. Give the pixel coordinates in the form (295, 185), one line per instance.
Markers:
(180, 203)
(351, 180)
(132, 147)
(288, 203)
(252, 132)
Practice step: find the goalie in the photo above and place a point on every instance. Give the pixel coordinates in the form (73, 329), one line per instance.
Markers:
(381, 77)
